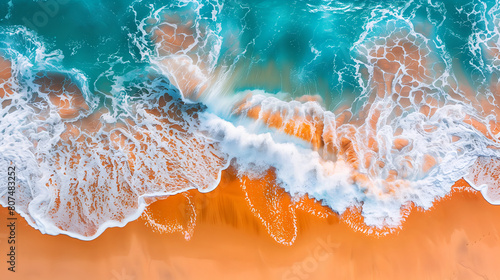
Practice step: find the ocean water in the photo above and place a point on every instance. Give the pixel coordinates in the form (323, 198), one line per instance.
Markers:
(370, 105)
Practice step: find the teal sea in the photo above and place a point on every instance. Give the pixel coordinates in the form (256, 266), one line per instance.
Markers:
(313, 42)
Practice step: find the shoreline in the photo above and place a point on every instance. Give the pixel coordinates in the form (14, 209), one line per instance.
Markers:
(459, 238)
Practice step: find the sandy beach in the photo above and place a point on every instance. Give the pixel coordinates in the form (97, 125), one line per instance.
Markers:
(225, 120)
(457, 239)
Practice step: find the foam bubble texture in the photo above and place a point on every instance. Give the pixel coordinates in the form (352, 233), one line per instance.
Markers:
(81, 167)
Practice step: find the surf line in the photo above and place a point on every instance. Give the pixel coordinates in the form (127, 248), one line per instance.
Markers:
(11, 218)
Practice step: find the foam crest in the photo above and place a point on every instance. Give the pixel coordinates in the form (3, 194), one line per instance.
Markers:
(82, 168)
(414, 133)
(483, 176)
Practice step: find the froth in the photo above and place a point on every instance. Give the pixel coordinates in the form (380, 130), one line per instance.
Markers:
(83, 168)
(414, 132)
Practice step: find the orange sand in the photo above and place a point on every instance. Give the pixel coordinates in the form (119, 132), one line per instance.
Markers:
(5, 75)
(240, 230)
(457, 239)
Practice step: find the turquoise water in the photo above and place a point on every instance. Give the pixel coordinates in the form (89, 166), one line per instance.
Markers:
(312, 42)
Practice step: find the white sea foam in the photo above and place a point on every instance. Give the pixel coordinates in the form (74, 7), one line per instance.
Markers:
(484, 177)
(303, 171)
(81, 174)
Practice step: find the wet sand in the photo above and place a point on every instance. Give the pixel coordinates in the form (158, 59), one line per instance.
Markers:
(456, 239)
